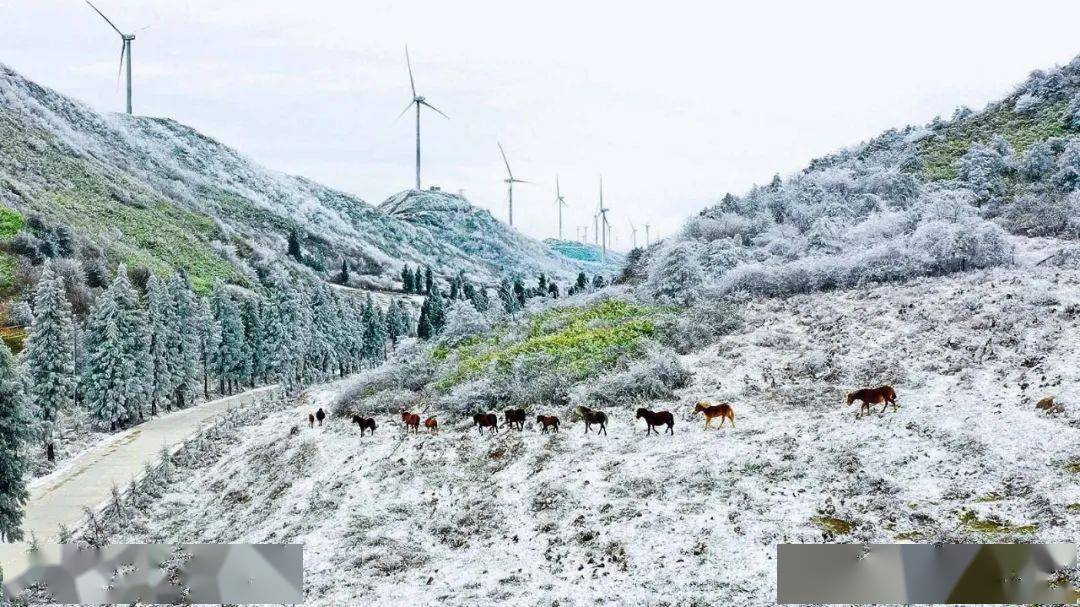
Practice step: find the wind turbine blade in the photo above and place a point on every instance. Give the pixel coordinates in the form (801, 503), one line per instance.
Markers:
(507, 162)
(412, 84)
(407, 108)
(119, 70)
(144, 28)
(104, 17)
(521, 181)
(434, 108)
(557, 195)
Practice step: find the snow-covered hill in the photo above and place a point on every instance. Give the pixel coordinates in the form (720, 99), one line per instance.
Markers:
(152, 192)
(693, 518)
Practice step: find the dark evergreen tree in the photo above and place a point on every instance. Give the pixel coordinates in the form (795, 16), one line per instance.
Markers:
(423, 328)
(553, 290)
(598, 282)
(429, 281)
(541, 286)
(506, 296)
(344, 271)
(294, 245)
(519, 292)
(437, 311)
(407, 283)
(15, 431)
(582, 282)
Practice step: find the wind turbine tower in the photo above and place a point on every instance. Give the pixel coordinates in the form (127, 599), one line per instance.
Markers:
(633, 232)
(647, 243)
(125, 52)
(510, 181)
(602, 213)
(560, 202)
(417, 100)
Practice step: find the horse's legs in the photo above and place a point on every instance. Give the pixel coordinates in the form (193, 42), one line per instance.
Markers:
(603, 426)
(722, 420)
(886, 406)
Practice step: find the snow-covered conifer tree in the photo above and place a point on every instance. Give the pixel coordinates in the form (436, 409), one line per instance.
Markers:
(50, 356)
(160, 327)
(15, 431)
(184, 352)
(227, 361)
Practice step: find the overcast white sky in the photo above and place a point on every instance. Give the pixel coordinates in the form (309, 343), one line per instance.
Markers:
(674, 102)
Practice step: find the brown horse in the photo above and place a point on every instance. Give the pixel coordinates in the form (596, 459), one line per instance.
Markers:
(882, 395)
(515, 418)
(486, 420)
(657, 418)
(723, 411)
(432, 424)
(365, 423)
(412, 421)
(548, 421)
(311, 420)
(592, 416)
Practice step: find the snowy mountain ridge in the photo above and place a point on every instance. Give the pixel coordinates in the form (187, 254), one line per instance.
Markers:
(155, 193)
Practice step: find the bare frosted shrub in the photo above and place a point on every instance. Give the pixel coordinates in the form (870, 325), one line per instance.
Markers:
(655, 377)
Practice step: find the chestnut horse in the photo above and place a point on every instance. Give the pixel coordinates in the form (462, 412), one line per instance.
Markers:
(548, 421)
(365, 423)
(486, 420)
(592, 416)
(723, 411)
(412, 421)
(657, 418)
(515, 418)
(311, 420)
(432, 424)
(882, 395)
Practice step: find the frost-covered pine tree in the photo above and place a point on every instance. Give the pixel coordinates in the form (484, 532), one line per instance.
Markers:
(429, 280)
(208, 336)
(424, 329)
(184, 351)
(160, 327)
(50, 356)
(15, 431)
(392, 324)
(506, 296)
(255, 340)
(404, 318)
(227, 361)
(407, 279)
(117, 359)
(322, 354)
(109, 370)
(676, 276)
(437, 311)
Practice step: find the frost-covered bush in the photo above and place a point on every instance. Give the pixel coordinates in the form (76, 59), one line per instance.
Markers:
(21, 314)
(676, 276)
(701, 323)
(1067, 176)
(983, 169)
(1045, 215)
(1027, 104)
(483, 394)
(653, 378)
(1071, 117)
(1038, 161)
(462, 322)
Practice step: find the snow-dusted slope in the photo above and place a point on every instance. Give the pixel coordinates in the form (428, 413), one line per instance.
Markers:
(154, 192)
(525, 518)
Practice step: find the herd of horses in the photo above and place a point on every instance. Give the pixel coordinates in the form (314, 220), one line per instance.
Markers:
(514, 419)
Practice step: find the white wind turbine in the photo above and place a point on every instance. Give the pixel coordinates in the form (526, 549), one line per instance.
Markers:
(633, 232)
(647, 243)
(417, 100)
(560, 202)
(604, 225)
(510, 181)
(125, 52)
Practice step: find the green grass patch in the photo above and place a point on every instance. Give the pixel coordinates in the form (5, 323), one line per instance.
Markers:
(580, 342)
(1072, 466)
(11, 223)
(972, 522)
(14, 337)
(940, 153)
(1073, 508)
(835, 526)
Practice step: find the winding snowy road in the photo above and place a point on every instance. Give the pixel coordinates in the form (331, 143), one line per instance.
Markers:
(87, 480)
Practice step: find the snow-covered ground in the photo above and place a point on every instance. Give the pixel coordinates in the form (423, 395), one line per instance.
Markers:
(694, 518)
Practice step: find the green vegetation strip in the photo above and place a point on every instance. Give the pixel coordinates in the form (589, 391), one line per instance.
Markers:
(579, 341)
